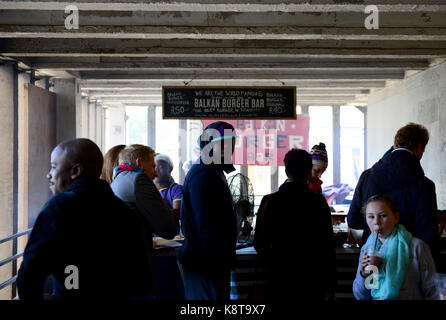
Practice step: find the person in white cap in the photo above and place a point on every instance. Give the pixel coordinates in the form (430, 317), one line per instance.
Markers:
(171, 191)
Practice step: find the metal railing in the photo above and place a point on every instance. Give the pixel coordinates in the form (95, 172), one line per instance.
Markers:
(14, 257)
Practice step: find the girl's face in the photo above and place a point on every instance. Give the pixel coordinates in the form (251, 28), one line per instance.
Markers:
(380, 218)
(317, 171)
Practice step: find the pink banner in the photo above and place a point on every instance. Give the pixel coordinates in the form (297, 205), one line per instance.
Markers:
(265, 142)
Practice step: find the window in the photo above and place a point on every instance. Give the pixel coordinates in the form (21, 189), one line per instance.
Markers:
(352, 145)
(167, 136)
(136, 123)
(321, 130)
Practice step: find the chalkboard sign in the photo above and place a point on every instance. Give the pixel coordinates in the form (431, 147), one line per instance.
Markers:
(229, 102)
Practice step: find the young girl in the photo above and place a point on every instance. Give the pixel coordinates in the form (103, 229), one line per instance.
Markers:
(404, 266)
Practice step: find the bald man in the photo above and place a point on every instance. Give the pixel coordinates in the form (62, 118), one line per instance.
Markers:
(86, 238)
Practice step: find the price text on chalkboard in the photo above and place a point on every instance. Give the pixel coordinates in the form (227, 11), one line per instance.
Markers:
(229, 102)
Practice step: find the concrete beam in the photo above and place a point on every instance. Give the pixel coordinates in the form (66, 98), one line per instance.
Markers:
(148, 84)
(185, 63)
(229, 33)
(234, 48)
(227, 6)
(282, 68)
(157, 93)
(249, 75)
(403, 16)
(99, 5)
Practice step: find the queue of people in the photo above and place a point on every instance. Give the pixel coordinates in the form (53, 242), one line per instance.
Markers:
(105, 211)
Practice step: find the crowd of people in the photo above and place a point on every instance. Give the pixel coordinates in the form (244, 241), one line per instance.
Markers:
(105, 210)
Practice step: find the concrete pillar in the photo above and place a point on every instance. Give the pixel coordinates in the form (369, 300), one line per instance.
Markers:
(99, 127)
(114, 127)
(336, 144)
(8, 106)
(151, 128)
(84, 117)
(182, 149)
(68, 109)
(364, 112)
(92, 121)
(194, 130)
(22, 163)
(274, 178)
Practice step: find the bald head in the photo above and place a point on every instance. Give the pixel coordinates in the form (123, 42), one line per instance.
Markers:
(71, 160)
(86, 153)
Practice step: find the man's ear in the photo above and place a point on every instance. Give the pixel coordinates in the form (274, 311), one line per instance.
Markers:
(76, 171)
(138, 162)
(419, 151)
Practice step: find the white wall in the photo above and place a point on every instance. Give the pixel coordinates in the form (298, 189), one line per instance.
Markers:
(420, 98)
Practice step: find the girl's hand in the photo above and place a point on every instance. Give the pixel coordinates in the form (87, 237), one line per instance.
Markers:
(369, 260)
(375, 261)
(364, 263)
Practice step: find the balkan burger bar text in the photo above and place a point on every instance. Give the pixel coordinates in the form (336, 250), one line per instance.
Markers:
(229, 102)
(265, 142)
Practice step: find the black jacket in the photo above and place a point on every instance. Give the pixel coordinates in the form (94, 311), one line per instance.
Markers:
(208, 220)
(294, 234)
(88, 227)
(400, 176)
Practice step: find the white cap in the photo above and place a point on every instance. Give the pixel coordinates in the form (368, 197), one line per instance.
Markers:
(163, 157)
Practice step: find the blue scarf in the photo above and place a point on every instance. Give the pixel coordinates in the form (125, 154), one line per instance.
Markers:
(395, 254)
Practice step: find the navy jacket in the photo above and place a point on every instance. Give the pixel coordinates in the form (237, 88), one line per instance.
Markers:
(400, 176)
(208, 220)
(294, 234)
(86, 226)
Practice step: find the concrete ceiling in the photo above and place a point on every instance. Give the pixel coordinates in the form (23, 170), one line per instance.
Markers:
(124, 51)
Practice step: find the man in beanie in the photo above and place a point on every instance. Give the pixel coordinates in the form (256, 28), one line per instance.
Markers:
(320, 162)
(208, 220)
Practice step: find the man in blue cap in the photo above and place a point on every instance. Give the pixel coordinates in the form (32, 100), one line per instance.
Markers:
(208, 219)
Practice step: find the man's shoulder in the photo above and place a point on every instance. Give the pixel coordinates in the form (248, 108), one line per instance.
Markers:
(177, 187)
(60, 200)
(125, 180)
(418, 246)
(127, 175)
(58, 204)
(200, 173)
(302, 198)
(427, 182)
